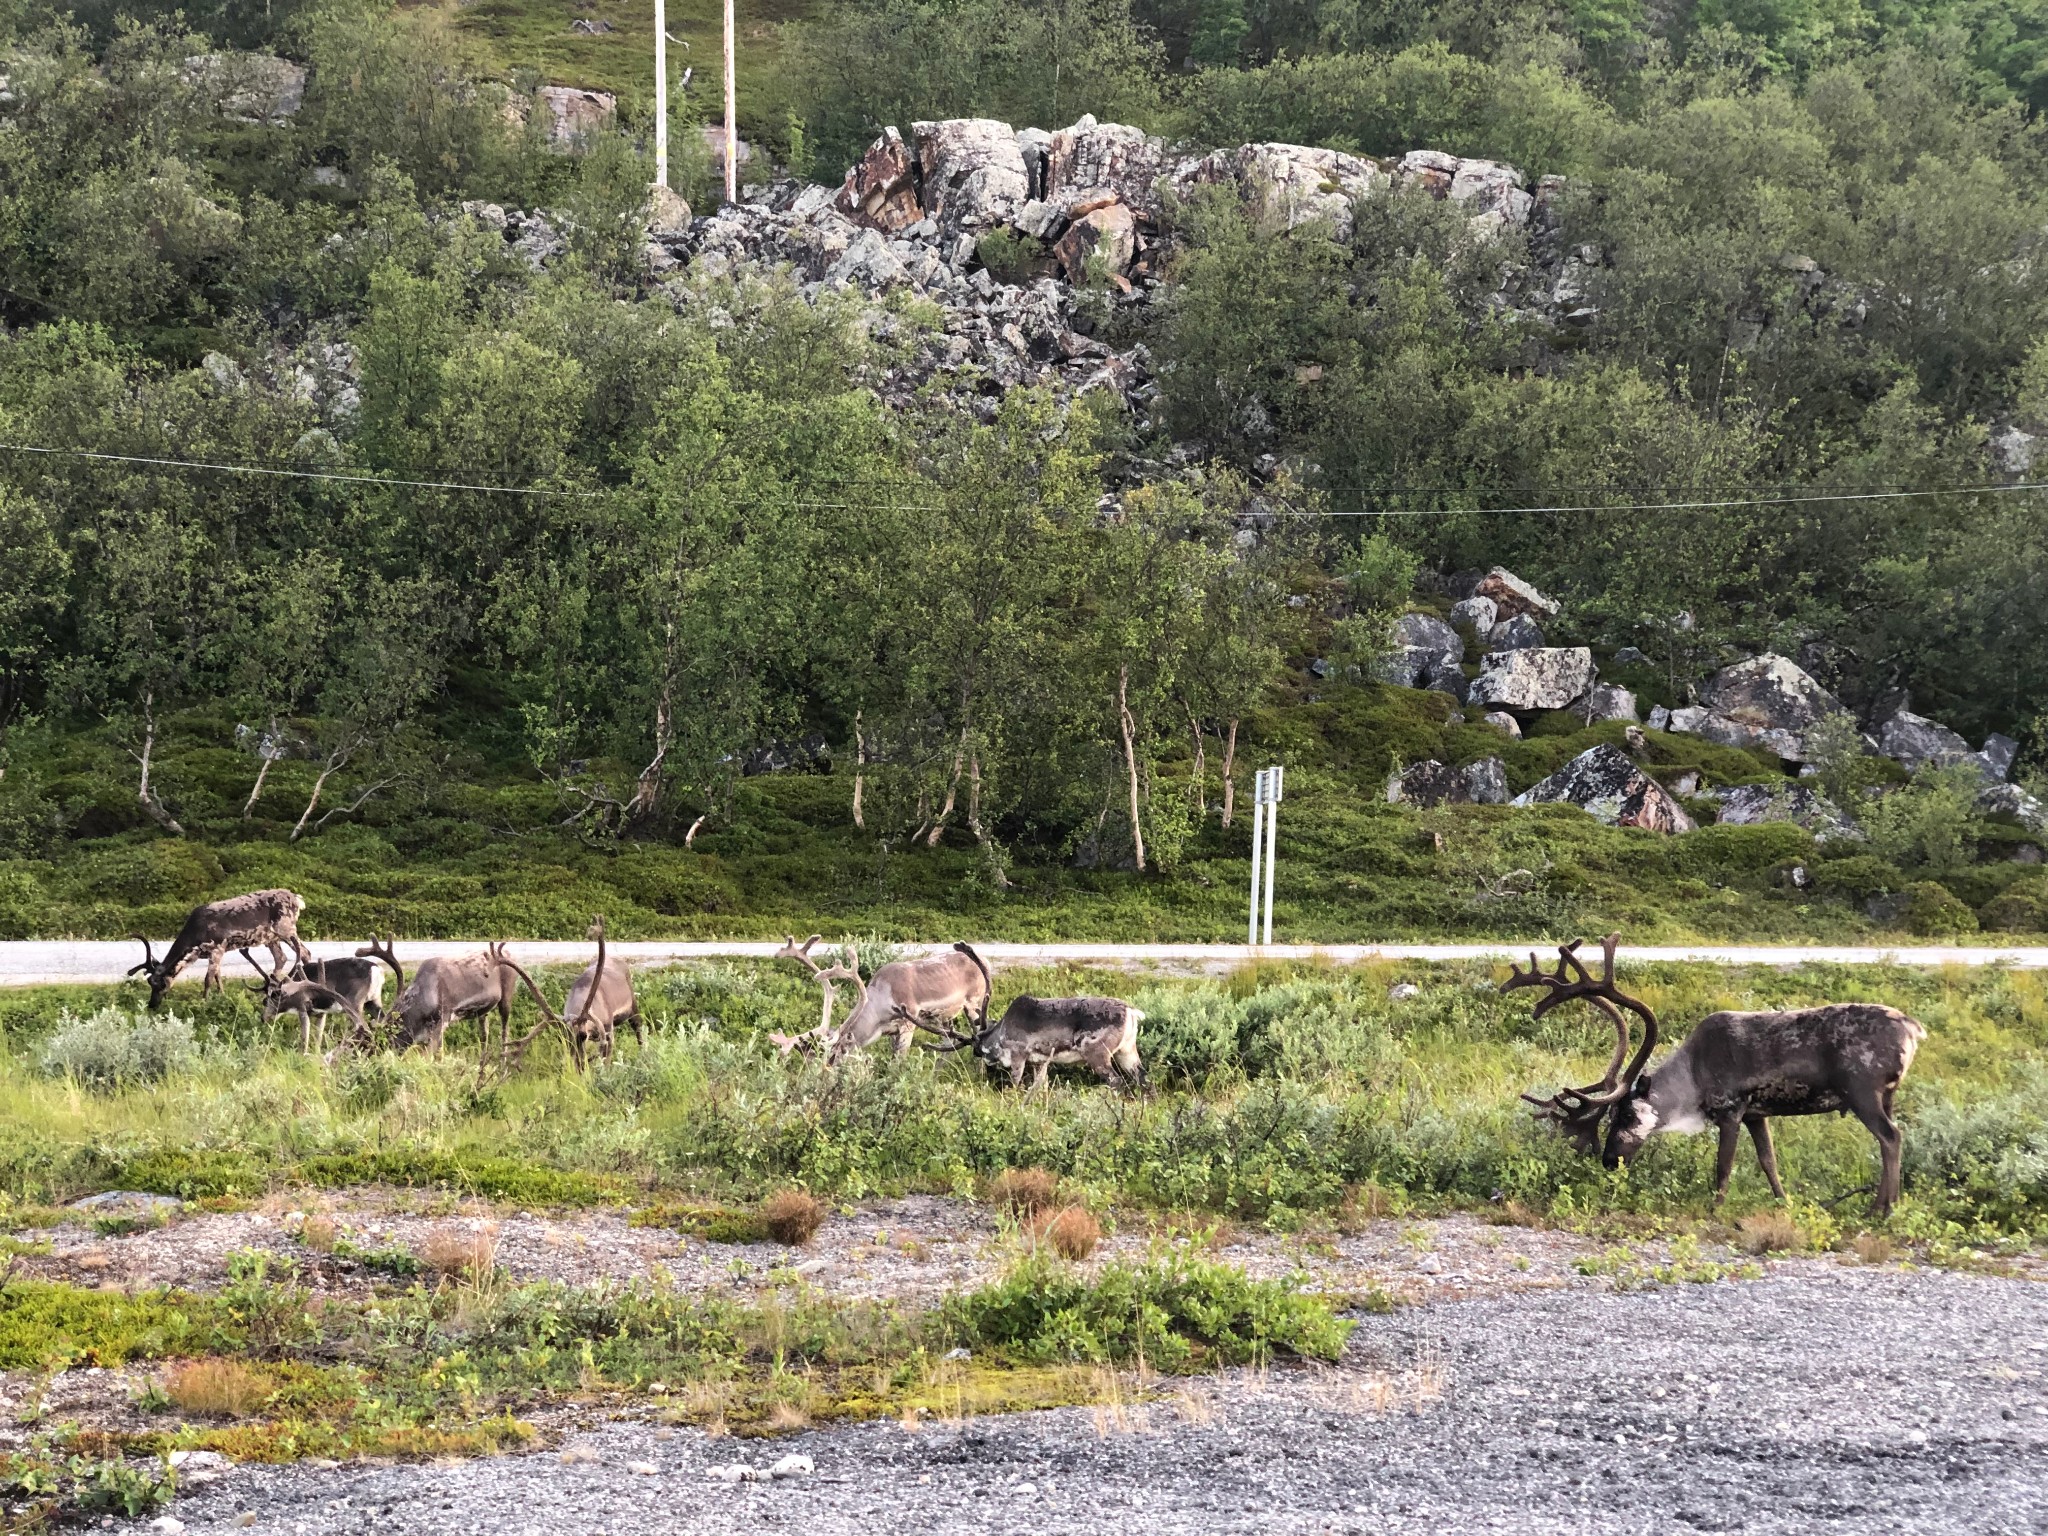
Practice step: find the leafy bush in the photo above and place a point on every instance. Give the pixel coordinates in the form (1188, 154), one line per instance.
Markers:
(1935, 912)
(114, 1049)
(1858, 877)
(1929, 824)
(2022, 908)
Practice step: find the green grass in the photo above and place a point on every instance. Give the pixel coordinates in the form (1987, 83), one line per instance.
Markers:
(480, 855)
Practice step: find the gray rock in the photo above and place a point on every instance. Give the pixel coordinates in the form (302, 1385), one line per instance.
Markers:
(1916, 742)
(1513, 596)
(1287, 185)
(1607, 702)
(1629, 656)
(1404, 667)
(1527, 681)
(1517, 634)
(1092, 159)
(1605, 783)
(1426, 632)
(1747, 805)
(1432, 783)
(2013, 451)
(1040, 220)
(1503, 722)
(1995, 758)
(1473, 617)
(1319, 668)
(1769, 702)
(1494, 193)
(1443, 675)
(1660, 718)
(972, 172)
(574, 115)
(1401, 991)
(127, 1200)
(1687, 721)
(2010, 800)
(1487, 781)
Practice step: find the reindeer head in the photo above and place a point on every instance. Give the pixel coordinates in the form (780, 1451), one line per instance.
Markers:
(1579, 1112)
(153, 970)
(822, 1035)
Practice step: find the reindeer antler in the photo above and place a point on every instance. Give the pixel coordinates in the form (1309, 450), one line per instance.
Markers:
(376, 951)
(269, 978)
(1578, 1111)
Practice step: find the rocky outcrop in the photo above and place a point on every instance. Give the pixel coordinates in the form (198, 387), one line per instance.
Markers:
(1105, 237)
(1513, 597)
(1606, 784)
(1526, 682)
(573, 114)
(1748, 805)
(1520, 633)
(2011, 801)
(1766, 702)
(1916, 742)
(1426, 632)
(970, 173)
(1473, 617)
(1433, 783)
(880, 188)
(1287, 185)
(1092, 160)
(250, 87)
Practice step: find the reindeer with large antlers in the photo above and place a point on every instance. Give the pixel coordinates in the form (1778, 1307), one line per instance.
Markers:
(446, 988)
(827, 977)
(307, 997)
(599, 1000)
(1734, 1070)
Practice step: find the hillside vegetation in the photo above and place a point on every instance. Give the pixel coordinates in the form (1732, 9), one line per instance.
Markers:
(574, 582)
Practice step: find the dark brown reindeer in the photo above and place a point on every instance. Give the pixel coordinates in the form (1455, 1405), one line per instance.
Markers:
(259, 920)
(1099, 1033)
(308, 997)
(1733, 1070)
(447, 988)
(599, 1000)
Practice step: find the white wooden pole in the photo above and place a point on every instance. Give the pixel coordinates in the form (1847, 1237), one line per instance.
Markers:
(1258, 847)
(732, 131)
(1273, 776)
(660, 93)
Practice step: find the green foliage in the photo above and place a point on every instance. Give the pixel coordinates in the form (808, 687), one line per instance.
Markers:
(1008, 255)
(113, 1049)
(1933, 911)
(1931, 824)
(1176, 1314)
(47, 1326)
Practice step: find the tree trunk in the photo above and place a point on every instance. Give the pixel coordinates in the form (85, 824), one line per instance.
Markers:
(262, 772)
(1130, 730)
(952, 791)
(1201, 763)
(647, 795)
(1229, 784)
(860, 771)
(690, 837)
(336, 759)
(151, 806)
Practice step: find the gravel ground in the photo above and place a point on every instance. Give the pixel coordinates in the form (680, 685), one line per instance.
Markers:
(1894, 1400)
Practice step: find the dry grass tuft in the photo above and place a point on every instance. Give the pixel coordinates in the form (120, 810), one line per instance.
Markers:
(1116, 1411)
(457, 1252)
(222, 1389)
(1024, 1192)
(1871, 1248)
(793, 1217)
(784, 1417)
(1769, 1232)
(319, 1233)
(1194, 1406)
(1363, 1203)
(1073, 1233)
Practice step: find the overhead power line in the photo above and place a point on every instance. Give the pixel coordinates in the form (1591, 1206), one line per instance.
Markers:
(295, 474)
(1683, 506)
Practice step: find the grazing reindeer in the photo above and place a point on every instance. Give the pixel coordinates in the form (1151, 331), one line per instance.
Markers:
(935, 990)
(305, 997)
(827, 978)
(1733, 1070)
(261, 919)
(445, 989)
(598, 1001)
(1099, 1033)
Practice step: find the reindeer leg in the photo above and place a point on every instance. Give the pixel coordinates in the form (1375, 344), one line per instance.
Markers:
(1724, 1165)
(211, 982)
(1868, 1106)
(1766, 1153)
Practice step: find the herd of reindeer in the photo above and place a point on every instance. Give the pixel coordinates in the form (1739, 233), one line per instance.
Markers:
(1733, 1072)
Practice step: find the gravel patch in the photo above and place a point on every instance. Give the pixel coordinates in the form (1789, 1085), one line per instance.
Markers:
(1821, 1398)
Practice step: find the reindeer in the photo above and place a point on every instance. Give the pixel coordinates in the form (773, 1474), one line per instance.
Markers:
(446, 989)
(937, 988)
(1099, 1033)
(599, 1000)
(306, 997)
(1733, 1070)
(827, 978)
(261, 919)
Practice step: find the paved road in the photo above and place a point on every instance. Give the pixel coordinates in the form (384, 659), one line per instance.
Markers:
(38, 963)
(1829, 1400)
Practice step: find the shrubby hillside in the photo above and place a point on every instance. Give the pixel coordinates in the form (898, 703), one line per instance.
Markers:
(794, 562)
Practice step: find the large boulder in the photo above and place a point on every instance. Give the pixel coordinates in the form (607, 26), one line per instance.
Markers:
(1521, 633)
(1529, 681)
(973, 172)
(1917, 742)
(250, 87)
(1091, 160)
(1433, 783)
(1747, 805)
(1287, 185)
(1473, 617)
(1444, 675)
(1605, 783)
(1513, 596)
(573, 115)
(1405, 666)
(1607, 702)
(1430, 634)
(1766, 702)
(880, 189)
(1108, 235)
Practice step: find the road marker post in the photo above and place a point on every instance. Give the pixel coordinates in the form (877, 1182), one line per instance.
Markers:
(1265, 826)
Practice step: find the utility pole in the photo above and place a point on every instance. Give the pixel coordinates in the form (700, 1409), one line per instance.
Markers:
(660, 93)
(732, 132)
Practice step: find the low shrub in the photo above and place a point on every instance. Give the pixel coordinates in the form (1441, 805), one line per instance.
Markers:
(1772, 1231)
(793, 1217)
(1857, 877)
(113, 1049)
(1935, 912)
(217, 1388)
(1072, 1233)
(1023, 1191)
(457, 1252)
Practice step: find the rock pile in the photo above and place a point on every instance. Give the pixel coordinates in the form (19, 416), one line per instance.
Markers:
(1607, 784)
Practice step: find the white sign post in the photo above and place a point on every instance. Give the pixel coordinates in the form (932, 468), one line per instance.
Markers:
(1265, 833)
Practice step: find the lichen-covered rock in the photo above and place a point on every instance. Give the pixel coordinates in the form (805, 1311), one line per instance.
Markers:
(2011, 800)
(1513, 596)
(1443, 675)
(1605, 782)
(1747, 805)
(1529, 681)
(880, 189)
(1287, 185)
(1607, 702)
(1767, 701)
(973, 172)
(1521, 633)
(1429, 633)
(1107, 235)
(1493, 191)
(1473, 617)
(1111, 158)
(1916, 742)
(573, 115)
(1500, 720)
(1404, 667)
(1433, 783)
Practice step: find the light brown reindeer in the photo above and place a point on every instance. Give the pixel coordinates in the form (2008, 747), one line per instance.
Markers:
(819, 1037)
(599, 1000)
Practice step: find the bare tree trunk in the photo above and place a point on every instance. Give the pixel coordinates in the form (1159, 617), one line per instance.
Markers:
(144, 795)
(1201, 762)
(263, 770)
(690, 837)
(1130, 730)
(952, 791)
(647, 795)
(337, 759)
(1229, 784)
(860, 771)
(974, 798)
(354, 805)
